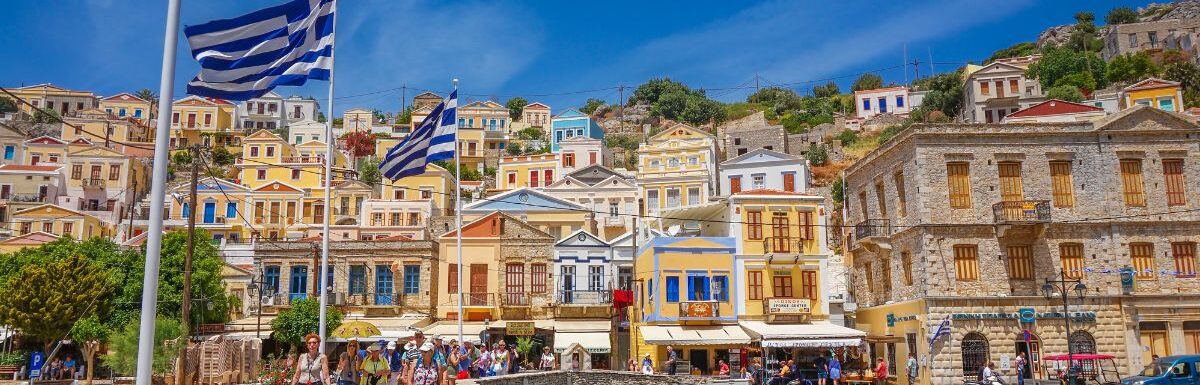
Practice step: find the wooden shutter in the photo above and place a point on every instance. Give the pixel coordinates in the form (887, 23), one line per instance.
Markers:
(906, 264)
(1142, 257)
(1185, 258)
(754, 227)
(807, 231)
(808, 282)
(1131, 180)
(735, 184)
(901, 201)
(881, 198)
(966, 262)
(780, 233)
(885, 265)
(1061, 184)
(959, 183)
(1011, 189)
(782, 286)
(1173, 178)
(452, 279)
(1020, 262)
(1071, 255)
(789, 182)
(754, 280)
(537, 278)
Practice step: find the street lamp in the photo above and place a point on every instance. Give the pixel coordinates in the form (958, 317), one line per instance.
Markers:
(1062, 288)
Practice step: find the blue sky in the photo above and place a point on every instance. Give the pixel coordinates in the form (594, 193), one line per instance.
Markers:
(559, 52)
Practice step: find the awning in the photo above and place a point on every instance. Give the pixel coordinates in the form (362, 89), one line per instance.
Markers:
(694, 335)
(390, 328)
(575, 326)
(594, 342)
(449, 330)
(815, 335)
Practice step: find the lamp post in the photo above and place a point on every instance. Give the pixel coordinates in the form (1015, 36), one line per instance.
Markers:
(256, 289)
(1062, 288)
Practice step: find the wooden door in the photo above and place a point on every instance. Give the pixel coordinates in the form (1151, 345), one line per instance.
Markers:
(1154, 343)
(789, 182)
(478, 284)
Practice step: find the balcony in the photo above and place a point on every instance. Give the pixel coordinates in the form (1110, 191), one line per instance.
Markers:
(614, 221)
(27, 198)
(699, 310)
(303, 159)
(873, 234)
(90, 183)
(583, 304)
(473, 300)
(1023, 217)
(515, 299)
(783, 245)
(295, 115)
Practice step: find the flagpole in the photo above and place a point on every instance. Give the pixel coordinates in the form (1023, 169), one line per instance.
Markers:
(145, 355)
(329, 158)
(458, 220)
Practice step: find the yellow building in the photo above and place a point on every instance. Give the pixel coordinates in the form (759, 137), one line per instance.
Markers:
(676, 168)
(554, 216)
(12, 143)
(533, 171)
(275, 211)
(58, 220)
(104, 182)
(1158, 93)
(127, 105)
(24, 186)
(44, 150)
(224, 208)
(436, 185)
(685, 302)
(208, 121)
(98, 126)
(267, 158)
(50, 97)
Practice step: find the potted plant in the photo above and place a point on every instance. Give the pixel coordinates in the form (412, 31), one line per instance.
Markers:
(11, 362)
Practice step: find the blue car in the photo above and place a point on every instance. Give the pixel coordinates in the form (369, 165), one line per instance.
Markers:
(1170, 370)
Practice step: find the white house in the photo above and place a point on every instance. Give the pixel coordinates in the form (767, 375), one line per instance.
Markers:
(584, 269)
(309, 130)
(271, 111)
(764, 169)
(580, 151)
(612, 195)
(890, 100)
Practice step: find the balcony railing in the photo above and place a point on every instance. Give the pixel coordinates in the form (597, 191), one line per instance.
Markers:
(699, 310)
(584, 297)
(783, 245)
(614, 221)
(303, 159)
(515, 299)
(31, 198)
(295, 115)
(93, 183)
(379, 298)
(474, 299)
(1021, 212)
(872, 228)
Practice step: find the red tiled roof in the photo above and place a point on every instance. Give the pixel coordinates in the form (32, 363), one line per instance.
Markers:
(24, 167)
(766, 191)
(1150, 84)
(1055, 107)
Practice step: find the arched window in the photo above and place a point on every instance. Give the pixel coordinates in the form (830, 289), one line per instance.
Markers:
(974, 355)
(1082, 343)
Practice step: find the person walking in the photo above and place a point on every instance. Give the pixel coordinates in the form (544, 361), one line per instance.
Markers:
(671, 360)
(835, 369)
(426, 370)
(1020, 362)
(311, 368)
(912, 369)
(500, 359)
(547, 362)
(881, 372)
(374, 369)
(348, 365)
(631, 365)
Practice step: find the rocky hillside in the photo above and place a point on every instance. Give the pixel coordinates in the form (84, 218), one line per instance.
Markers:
(1182, 9)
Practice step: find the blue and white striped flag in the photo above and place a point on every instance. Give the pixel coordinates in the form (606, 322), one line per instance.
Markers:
(245, 57)
(431, 141)
(942, 330)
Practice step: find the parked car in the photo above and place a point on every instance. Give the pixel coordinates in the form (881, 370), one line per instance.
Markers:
(1170, 370)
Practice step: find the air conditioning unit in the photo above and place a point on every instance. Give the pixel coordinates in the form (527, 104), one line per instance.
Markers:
(268, 300)
(220, 220)
(338, 298)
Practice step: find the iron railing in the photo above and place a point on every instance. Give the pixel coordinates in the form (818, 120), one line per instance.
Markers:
(872, 228)
(1021, 212)
(584, 297)
(783, 245)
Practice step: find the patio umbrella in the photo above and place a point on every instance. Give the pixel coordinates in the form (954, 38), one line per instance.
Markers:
(356, 329)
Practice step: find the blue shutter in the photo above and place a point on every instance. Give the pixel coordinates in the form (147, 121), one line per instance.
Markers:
(899, 101)
(231, 209)
(866, 104)
(672, 289)
(187, 212)
(8, 152)
(412, 279)
(721, 288)
(706, 287)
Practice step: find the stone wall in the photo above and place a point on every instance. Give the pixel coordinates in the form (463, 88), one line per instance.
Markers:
(736, 143)
(591, 377)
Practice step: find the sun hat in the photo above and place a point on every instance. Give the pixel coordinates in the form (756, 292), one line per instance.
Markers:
(427, 346)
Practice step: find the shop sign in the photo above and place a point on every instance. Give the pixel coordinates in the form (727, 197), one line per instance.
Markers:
(700, 309)
(891, 320)
(1027, 314)
(1022, 315)
(212, 328)
(519, 328)
(789, 306)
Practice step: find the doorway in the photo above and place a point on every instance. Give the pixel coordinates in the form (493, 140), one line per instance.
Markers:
(1033, 355)
(699, 359)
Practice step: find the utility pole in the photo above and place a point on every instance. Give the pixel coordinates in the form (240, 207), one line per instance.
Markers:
(132, 206)
(756, 87)
(404, 104)
(316, 270)
(916, 63)
(181, 369)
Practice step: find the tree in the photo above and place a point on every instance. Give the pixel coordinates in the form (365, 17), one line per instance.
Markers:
(1024, 48)
(848, 137)
(817, 155)
(515, 106)
(827, 90)
(945, 95)
(838, 191)
(368, 172)
(405, 116)
(291, 325)
(149, 96)
(123, 347)
(46, 117)
(531, 133)
(378, 115)
(867, 82)
(71, 288)
(88, 333)
(1083, 36)
(513, 148)
(321, 117)
(1132, 67)
(1121, 15)
(652, 90)
(1065, 92)
(1057, 63)
(207, 281)
(781, 100)
(7, 105)
(591, 105)
(359, 144)
(1081, 80)
(467, 173)
(222, 157)
(1188, 76)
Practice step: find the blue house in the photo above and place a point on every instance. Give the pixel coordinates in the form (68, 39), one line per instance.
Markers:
(572, 123)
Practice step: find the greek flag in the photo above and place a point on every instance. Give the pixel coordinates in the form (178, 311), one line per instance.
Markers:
(942, 330)
(431, 141)
(245, 57)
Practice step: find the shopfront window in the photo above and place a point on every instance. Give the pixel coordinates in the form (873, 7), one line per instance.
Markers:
(974, 355)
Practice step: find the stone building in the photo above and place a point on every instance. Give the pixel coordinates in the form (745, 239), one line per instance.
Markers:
(966, 222)
(388, 281)
(748, 134)
(1153, 36)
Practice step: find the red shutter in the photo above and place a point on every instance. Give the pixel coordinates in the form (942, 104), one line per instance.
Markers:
(789, 182)
(735, 184)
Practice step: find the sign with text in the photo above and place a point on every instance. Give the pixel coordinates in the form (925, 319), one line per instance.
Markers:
(698, 309)
(789, 306)
(519, 328)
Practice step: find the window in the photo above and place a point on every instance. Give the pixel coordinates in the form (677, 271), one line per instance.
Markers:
(175, 118)
(412, 279)
(1061, 184)
(758, 181)
(1166, 104)
(672, 289)
(9, 151)
(866, 104)
(1153, 37)
(1133, 43)
(673, 200)
(901, 201)
(959, 176)
(699, 288)
(1013, 86)
(1071, 255)
(253, 151)
(1011, 189)
(883, 105)
(984, 88)
(780, 231)
(1020, 262)
(25, 227)
(655, 163)
(673, 162)
(514, 283)
(595, 278)
(1142, 257)
(881, 199)
(1173, 177)
(398, 194)
(270, 150)
(693, 196)
(207, 119)
(512, 179)
(548, 177)
(533, 178)
(426, 193)
(274, 212)
(862, 204)
(358, 279)
(652, 200)
(568, 160)
(66, 228)
(754, 224)
(76, 171)
(789, 181)
(806, 227)
(720, 288)
(899, 101)
(781, 284)
(414, 219)
(592, 157)
(384, 285)
(231, 209)
(906, 264)
(808, 284)
(538, 277)
(1184, 254)
(452, 278)
(693, 160)
(754, 280)
(1131, 179)
(966, 262)
(295, 174)
(614, 209)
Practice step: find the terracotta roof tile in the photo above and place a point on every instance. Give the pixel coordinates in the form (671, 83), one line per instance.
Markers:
(1055, 107)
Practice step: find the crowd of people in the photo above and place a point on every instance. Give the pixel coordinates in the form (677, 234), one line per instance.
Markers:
(415, 361)
(61, 369)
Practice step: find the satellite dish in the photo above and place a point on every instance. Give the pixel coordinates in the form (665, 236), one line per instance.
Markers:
(673, 230)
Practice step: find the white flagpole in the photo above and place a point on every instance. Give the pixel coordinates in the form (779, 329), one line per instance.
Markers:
(458, 217)
(329, 158)
(166, 86)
